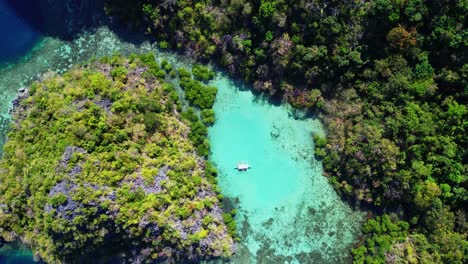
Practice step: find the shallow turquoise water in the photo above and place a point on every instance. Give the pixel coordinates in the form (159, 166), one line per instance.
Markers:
(287, 212)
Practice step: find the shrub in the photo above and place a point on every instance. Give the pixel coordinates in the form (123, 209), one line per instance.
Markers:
(202, 73)
(164, 44)
(208, 117)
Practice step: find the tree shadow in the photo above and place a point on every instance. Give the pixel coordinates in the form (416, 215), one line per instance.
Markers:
(66, 19)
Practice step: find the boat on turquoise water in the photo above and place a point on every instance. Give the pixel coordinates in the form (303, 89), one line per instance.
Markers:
(242, 166)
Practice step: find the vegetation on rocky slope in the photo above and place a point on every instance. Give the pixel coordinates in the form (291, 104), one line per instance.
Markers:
(101, 161)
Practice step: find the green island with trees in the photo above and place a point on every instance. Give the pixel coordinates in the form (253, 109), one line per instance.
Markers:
(388, 78)
(104, 161)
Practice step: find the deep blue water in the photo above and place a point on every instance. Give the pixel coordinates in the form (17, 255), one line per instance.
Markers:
(17, 35)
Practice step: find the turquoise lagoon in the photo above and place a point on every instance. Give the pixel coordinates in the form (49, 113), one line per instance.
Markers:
(286, 210)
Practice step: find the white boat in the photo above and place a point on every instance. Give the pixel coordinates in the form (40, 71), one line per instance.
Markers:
(242, 166)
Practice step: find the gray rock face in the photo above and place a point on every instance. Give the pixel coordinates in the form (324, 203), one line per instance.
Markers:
(66, 156)
(155, 185)
(105, 104)
(17, 110)
(75, 171)
(153, 227)
(68, 153)
(67, 210)
(71, 208)
(22, 94)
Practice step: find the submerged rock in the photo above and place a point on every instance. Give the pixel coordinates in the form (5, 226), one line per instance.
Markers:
(100, 163)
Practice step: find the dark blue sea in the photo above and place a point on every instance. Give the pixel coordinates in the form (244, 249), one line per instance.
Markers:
(18, 36)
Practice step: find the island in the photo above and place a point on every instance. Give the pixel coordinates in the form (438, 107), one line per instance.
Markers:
(103, 161)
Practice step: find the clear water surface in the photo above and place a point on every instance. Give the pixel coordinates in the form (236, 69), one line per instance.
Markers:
(18, 37)
(287, 211)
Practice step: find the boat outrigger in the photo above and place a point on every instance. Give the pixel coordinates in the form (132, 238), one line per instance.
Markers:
(242, 166)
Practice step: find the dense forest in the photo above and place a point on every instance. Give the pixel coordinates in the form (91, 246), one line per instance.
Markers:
(103, 161)
(388, 77)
